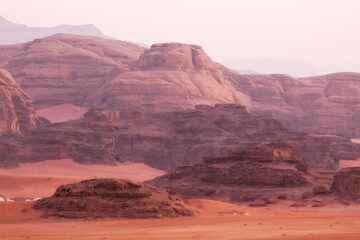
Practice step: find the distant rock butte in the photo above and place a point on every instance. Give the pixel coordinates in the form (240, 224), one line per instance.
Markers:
(17, 113)
(112, 198)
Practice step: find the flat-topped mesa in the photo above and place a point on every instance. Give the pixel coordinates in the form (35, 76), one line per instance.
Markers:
(176, 56)
(17, 113)
(112, 198)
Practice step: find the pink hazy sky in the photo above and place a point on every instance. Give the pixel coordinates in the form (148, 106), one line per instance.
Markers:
(325, 33)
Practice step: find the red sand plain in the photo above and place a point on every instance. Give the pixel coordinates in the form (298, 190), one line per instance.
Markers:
(62, 113)
(19, 221)
(41, 179)
(215, 219)
(349, 163)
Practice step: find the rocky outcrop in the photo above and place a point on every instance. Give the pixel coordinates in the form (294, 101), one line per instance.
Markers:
(167, 139)
(267, 170)
(99, 198)
(16, 110)
(347, 182)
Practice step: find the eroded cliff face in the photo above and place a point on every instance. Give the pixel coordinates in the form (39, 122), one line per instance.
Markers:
(168, 139)
(16, 110)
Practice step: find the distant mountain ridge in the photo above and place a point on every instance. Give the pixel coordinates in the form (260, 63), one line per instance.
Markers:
(13, 33)
(291, 67)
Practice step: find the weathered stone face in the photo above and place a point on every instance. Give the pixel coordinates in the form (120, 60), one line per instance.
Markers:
(112, 198)
(16, 110)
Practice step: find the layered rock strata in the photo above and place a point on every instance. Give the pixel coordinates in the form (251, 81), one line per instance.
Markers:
(269, 170)
(168, 139)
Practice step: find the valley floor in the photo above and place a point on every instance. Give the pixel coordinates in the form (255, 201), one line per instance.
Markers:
(215, 221)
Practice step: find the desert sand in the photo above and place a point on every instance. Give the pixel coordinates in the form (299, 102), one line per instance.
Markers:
(349, 163)
(215, 221)
(62, 113)
(41, 179)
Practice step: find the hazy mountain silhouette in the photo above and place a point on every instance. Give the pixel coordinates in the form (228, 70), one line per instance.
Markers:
(269, 66)
(12, 33)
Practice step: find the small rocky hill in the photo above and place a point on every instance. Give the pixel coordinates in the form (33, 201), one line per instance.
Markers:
(99, 198)
(268, 170)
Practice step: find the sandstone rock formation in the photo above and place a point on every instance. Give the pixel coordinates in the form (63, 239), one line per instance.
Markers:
(171, 76)
(114, 75)
(328, 104)
(94, 72)
(267, 170)
(347, 182)
(167, 139)
(112, 198)
(67, 68)
(16, 110)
